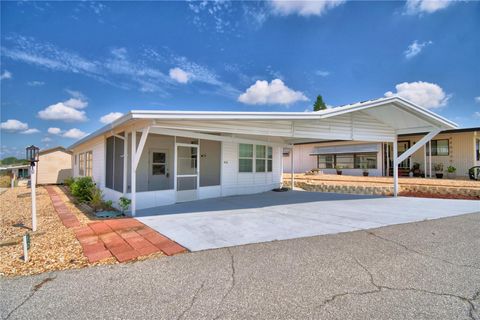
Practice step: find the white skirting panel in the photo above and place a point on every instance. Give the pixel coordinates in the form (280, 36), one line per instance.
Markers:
(113, 195)
(209, 192)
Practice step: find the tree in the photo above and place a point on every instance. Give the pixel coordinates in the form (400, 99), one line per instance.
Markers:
(319, 104)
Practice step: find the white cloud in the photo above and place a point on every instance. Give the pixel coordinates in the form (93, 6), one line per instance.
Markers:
(76, 94)
(303, 8)
(425, 94)
(55, 131)
(74, 134)
(30, 131)
(426, 6)
(275, 92)
(67, 111)
(6, 75)
(46, 139)
(477, 114)
(477, 99)
(112, 116)
(415, 48)
(35, 83)
(179, 75)
(13, 125)
(322, 73)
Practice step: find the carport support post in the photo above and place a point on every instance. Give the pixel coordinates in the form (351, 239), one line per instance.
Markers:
(292, 170)
(134, 173)
(395, 167)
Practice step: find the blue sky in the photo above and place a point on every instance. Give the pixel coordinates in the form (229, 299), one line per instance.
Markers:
(69, 67)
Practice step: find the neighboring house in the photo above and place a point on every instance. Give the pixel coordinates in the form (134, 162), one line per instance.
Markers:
(162, 157)
(20, 171)
(54, 165)
(458, 148)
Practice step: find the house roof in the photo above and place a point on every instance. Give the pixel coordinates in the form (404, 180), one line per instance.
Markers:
(472, 129)
(381, 109)
(58, 148)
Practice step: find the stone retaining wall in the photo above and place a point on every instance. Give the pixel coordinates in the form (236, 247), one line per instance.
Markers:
(382, 190)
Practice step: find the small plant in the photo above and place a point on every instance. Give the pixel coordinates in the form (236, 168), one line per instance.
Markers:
(82, 189)
(451, 169)
(96, 200)
(438, 167)
(339, 169)
(108, 204)
(124, 203)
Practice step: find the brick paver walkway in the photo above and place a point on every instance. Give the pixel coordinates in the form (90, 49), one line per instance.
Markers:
(68, 219)
(125, 238)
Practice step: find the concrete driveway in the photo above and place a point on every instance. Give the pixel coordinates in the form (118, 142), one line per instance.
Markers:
(238, 220)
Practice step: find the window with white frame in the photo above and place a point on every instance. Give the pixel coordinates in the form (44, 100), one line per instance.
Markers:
(260, 158)
(88, 163)
(263, 156)
(269, 159)
(245, 158)
(81, 164)
(85, 161)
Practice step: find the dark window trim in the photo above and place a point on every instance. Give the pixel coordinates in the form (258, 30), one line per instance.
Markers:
(435, 150)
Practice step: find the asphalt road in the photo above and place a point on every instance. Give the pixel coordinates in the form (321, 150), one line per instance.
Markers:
(423, 270)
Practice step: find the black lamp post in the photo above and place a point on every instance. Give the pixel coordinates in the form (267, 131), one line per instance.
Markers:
(32, 156)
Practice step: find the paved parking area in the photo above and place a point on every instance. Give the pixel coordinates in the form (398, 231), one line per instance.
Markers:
(426, 270)
(238, 220)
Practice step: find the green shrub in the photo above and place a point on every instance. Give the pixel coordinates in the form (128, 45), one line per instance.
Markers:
(83, 188)
(124, 203)
(451, 169)
(96, 201)
(69, 181)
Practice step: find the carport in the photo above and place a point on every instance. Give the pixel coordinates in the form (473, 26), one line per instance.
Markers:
(239, 220)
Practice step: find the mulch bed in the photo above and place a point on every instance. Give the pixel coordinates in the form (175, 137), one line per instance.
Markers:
(437, 196)
(67, 237)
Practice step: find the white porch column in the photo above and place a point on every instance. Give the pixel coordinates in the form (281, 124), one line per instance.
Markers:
(395, 167)
(125, 163)
(292, 170)
(388, 160)
(134, 172)
(425, 160)
(430, 158)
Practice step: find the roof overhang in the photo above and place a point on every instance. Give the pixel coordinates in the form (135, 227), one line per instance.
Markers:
(399, 114)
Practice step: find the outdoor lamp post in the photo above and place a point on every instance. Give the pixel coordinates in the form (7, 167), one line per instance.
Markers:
(32, 156)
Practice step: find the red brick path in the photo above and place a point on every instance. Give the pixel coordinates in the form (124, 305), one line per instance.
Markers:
(125, 238)
(68, 219)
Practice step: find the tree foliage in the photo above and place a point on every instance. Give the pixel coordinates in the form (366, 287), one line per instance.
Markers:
(319, 104)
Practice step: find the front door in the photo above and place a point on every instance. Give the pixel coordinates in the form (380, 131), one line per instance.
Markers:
(159, 170)
(187, 172)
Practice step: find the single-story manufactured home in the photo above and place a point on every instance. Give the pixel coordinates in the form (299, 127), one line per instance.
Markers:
(159, 157)
(459, 148)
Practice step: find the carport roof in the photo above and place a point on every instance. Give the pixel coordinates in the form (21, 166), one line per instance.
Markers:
(395, 112)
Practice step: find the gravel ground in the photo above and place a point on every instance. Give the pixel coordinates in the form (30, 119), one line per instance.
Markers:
(423, 270)
(53, 246)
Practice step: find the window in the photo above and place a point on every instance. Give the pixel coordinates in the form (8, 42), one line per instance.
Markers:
(159, 162)
(439, 148)
(260, 158)
(81, 164)
(344, 161)
(347, 161)
(269, 159)
(366, 161)
(326, 161)
(88, 163)
(478, 149)
(245, 155)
